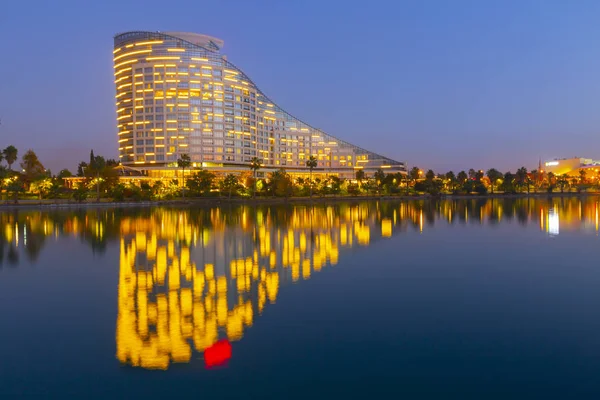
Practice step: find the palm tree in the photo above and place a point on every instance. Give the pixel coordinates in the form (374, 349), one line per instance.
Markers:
(493, 174)
(10, 155)
(522, 177)
(255, 165)
(472, 174)
(183, 162)
(311, 163)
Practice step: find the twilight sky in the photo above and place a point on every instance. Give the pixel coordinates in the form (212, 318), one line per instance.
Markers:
(446, 84)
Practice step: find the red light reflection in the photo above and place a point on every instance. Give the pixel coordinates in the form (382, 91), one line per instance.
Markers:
(217, 354)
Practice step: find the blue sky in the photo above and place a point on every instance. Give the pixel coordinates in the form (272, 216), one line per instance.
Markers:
(447, 84)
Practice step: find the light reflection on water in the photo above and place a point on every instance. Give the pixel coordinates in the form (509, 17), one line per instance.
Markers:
(191, 278)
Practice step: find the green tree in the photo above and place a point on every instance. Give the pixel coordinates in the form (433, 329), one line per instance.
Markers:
(32, 167)
(429, 176)
(183, 162)
(42, 186)
(201, 182)
(64, 173)
(281, 184)
(430, 184)
(479, 176)
(536, 178)
(451, 179)
(528, 183)
(508, 183)
(414, 174)
(96, 168)
(4, 175)
(255, 164)
(379, 179)
(336, 184)
(10, 155)
(472, 174)
(463, 181)
(562, 182)
(493, 175)
(551, 181)
(229, 184)
(370, 186)
(353, 189)
(15, 187)
(81, 167)
(80, 193)
(360, 176)
(311, 163)
(521, 177)
(406, 180)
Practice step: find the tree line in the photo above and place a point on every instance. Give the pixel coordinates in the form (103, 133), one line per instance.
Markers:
(493, 181)
(31, 178)
(101, 181)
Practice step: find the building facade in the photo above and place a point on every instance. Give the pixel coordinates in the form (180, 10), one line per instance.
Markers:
(177, 94)
(571, 166)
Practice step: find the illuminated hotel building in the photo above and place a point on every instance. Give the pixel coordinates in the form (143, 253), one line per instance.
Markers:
(177, 94)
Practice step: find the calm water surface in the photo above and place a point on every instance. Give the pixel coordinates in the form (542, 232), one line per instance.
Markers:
(450, 299)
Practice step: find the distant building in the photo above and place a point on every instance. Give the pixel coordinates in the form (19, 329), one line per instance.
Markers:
(177, 94)
(571, 166)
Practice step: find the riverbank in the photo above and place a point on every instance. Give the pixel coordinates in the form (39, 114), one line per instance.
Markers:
(213, 201)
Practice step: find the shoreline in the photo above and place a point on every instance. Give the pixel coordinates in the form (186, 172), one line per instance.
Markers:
(214, 201)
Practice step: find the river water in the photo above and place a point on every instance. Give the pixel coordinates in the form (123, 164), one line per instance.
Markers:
(442, 299)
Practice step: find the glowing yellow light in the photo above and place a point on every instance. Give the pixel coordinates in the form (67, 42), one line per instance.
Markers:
(131, 53)
(163, 58)
(149, 42)
(125, 63)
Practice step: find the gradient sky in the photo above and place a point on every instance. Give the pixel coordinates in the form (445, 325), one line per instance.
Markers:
(447, 84)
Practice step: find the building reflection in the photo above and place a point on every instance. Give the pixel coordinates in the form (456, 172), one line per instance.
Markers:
(191, 278)
(188, 280)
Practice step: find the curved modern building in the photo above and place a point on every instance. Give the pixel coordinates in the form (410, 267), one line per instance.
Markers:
(176, 94)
